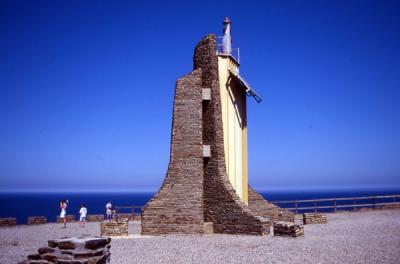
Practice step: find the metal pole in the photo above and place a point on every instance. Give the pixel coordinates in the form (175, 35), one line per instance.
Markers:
(334, 205)
(374, 203)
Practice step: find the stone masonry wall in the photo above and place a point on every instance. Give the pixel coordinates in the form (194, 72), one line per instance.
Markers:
(178, 206)
(10, 221)
(37, 220)
(114, 227)
(262, 207)
(222, 205)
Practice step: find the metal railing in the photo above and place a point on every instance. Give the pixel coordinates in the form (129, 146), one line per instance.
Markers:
(235, 51)
(129, 209)
(334, 204)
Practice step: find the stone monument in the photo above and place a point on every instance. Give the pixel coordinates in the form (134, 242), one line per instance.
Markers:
(207, 182)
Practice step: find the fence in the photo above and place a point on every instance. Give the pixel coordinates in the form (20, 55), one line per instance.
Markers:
(130, 209)
(316, 205)
(333, 204)
(235, 51)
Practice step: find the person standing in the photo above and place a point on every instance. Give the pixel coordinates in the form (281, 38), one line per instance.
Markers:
(82, 217)
(109, 210)
(63, 207)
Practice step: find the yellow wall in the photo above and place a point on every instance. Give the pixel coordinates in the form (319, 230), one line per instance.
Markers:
(233, 103)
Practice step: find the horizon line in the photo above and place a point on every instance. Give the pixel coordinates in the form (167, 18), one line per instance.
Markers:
(154, 190)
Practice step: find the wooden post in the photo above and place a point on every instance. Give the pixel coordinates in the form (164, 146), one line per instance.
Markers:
(296, 205)
(354, 203)
(315, 207)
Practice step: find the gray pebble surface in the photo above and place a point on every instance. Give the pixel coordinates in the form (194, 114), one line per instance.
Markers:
(349, 237)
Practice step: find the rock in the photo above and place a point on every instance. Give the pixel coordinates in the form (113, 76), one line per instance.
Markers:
(52, 243)
(74, 250)
(66, 244)
(288, 229)
(44, 250)
(97, 243)
(34, 257)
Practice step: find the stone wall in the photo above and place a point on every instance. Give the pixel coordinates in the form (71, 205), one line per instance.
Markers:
(314, 218)
(290, 229)
(178, 206)
(70, 218)
(95, 218)
(37, 220)
(8, 221)
(114, 227)
(81, 250)
(259, 205)
(222, 205)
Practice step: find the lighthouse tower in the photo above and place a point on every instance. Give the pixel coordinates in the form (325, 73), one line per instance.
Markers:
(206, 186)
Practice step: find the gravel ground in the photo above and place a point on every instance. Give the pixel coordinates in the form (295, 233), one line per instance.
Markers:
(361, 237)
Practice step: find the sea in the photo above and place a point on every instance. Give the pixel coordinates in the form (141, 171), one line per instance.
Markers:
(21, 205)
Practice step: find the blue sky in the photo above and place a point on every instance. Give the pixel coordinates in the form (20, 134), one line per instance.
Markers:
(86, 90)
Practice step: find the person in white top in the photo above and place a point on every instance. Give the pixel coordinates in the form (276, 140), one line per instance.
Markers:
(108, 210)
(83, 213)
(63, 207)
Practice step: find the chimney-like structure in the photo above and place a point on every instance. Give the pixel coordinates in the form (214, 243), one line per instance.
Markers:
(226, 39)
(207, 182)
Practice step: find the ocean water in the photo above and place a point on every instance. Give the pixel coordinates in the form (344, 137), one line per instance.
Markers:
(21, 205)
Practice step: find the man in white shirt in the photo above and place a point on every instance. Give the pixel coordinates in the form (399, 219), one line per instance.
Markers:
(108, 210)
(83, 213)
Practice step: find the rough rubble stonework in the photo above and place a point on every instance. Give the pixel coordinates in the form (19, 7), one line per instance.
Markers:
(178, 206)
(314, 218)
(262, 207)
(114, 227)
(290, 229)
(10, 221)
(196, 189)
(37, 220)
(73, 250)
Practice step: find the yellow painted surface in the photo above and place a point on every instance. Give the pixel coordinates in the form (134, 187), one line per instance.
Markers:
(233, 103)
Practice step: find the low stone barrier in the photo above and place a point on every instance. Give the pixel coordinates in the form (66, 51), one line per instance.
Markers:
(314, 218)
(95, 218)
(288, 229)
(74, 250)
(8, 221)
(114, 227)
(37, 220)
(70, 218)
(391, 206)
